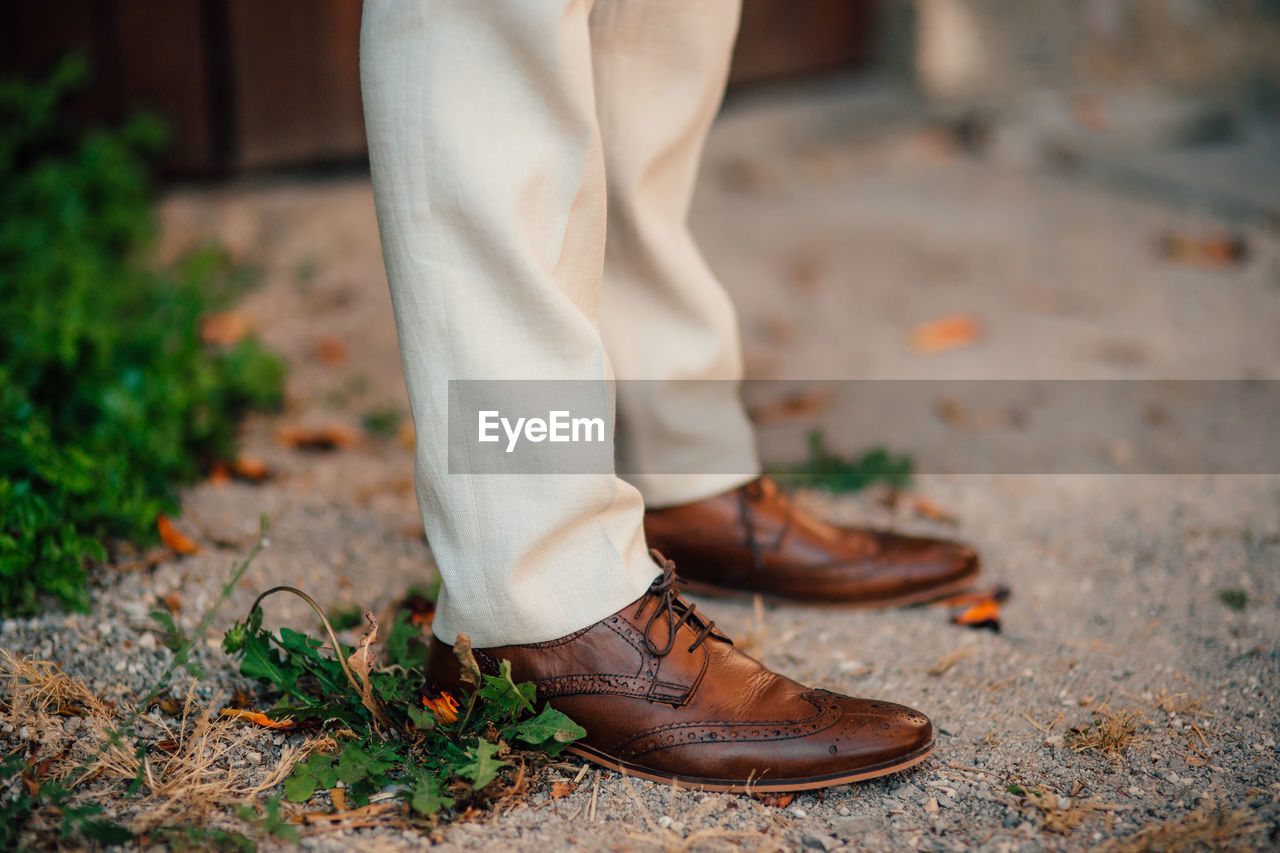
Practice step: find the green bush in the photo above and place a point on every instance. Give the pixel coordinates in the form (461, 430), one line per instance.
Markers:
(108, 398)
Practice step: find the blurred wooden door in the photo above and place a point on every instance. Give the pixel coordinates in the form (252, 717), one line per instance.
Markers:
(251, 84)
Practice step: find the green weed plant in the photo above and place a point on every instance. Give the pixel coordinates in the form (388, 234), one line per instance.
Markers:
(108, 398)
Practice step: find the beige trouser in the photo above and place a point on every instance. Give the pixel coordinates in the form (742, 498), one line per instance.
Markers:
(492, 126)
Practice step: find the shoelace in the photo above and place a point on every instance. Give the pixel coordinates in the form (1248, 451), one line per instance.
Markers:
(756, 491)
(678, 611)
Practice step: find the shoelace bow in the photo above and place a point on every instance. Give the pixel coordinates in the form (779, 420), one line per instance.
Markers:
(677, 611)
(745, 516)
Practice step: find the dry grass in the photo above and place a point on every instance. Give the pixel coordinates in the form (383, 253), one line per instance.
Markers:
(1179, 703)
(185, 765)
(951, 659)
(1208, 828)
(754, 640)
(1110, 734)
(1063, 820)
(38, 688)
(669, 841)
(194, 772)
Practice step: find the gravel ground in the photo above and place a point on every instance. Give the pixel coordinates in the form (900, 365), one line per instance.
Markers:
(838, 220)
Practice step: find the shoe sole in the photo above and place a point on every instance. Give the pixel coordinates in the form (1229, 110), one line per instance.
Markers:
(751, 786)
(920, 596)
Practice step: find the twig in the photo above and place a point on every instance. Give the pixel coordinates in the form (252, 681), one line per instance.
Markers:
(974, 770)
(360, 814)
(333, 638)
(1042, 728)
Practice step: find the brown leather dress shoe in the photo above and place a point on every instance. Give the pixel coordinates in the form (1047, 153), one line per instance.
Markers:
(665, 696)
(753, 541)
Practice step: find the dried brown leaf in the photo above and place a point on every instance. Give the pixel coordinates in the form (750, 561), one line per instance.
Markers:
(250, 468)
(1217, 251)
(799, 406)
(470, 669)
(334, 436)
(225, 329)
(330, 350)
(363, 661)
(926, 508)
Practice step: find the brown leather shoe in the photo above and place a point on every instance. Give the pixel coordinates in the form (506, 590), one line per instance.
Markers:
(753, 541)
(665, 696)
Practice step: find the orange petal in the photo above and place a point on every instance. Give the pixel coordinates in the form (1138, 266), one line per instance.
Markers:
(257, 718)
(444, 707)
(174, 538)
(954, 331)
(983, 614)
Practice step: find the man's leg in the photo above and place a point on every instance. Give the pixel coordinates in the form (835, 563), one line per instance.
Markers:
(489, 183)
(660, 68)
(487, 174)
